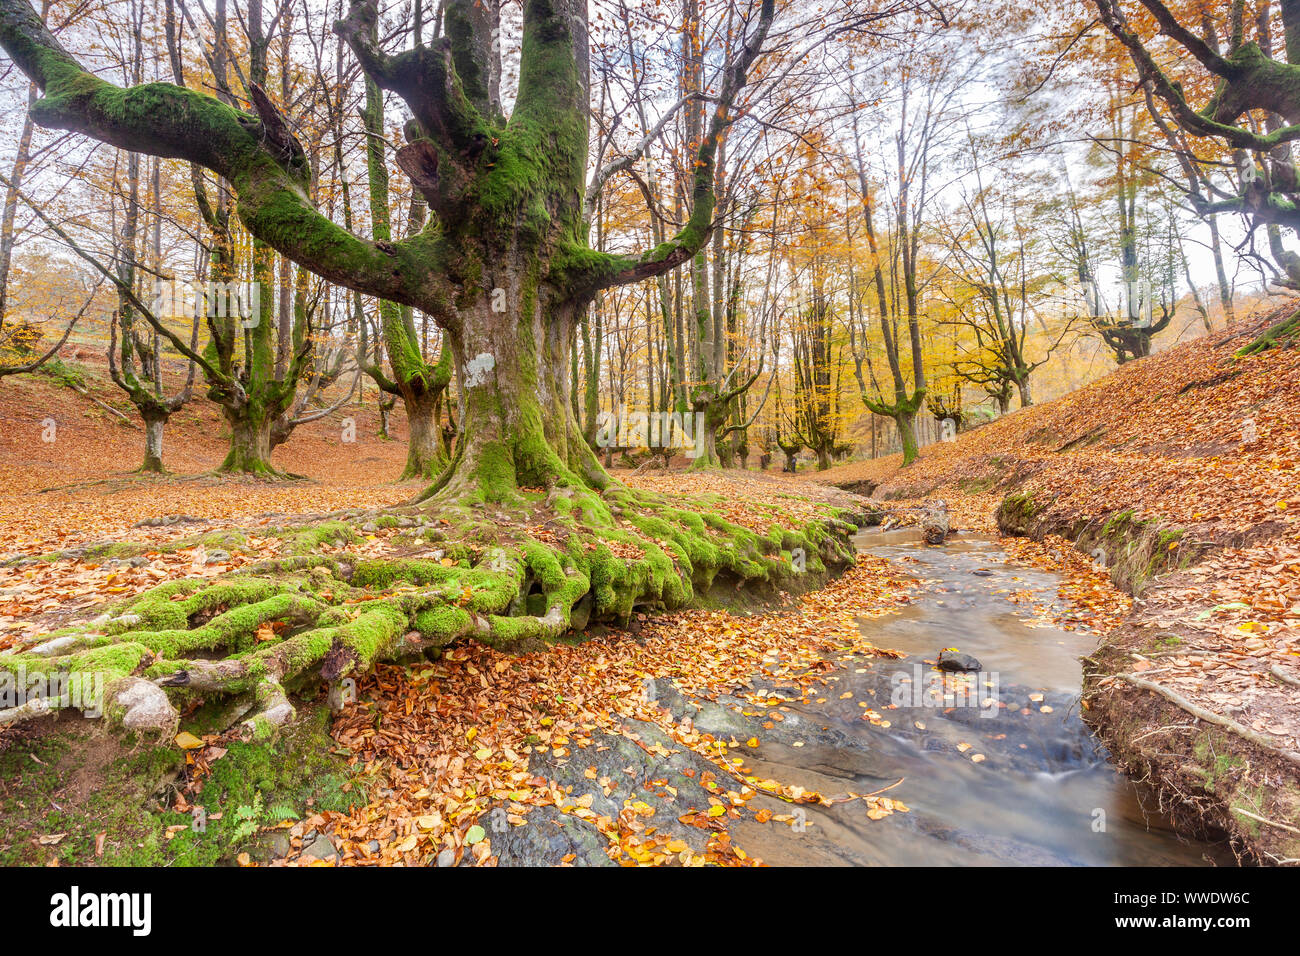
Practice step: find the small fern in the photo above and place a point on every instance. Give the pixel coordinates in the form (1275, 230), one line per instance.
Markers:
(246, 819)
(280, 811)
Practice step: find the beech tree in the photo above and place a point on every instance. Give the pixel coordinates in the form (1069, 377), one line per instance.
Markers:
(504, 267)
(926, 88)
(1245, 98)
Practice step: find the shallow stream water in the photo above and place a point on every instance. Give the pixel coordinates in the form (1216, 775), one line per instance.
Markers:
(1043, 793)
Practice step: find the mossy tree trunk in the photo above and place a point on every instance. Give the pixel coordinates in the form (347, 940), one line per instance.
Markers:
(413, 380)
(249, 451)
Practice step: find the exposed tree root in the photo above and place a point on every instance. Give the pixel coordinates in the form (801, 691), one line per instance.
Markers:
(1283, 676)
(1279, 333)
(515, 573)
(1259, 740)
(1266, 821)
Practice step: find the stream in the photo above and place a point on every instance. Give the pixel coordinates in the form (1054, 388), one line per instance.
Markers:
(1022, 784)
(1044, 794)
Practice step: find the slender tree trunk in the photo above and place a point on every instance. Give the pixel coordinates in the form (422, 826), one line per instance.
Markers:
(153, 443)
(1221, 273)
(386, 403)
(7, 226)
(1026, 397)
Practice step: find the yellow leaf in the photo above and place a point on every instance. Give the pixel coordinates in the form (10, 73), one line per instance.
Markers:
(187, 741)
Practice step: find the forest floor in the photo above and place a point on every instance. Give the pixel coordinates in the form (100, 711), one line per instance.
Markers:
(1180, 475)
(634, 746)
(408, 773)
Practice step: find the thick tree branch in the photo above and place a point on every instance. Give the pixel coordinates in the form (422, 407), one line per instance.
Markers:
(425, 77)
(605, 271)
(173, 122)
(1257, 82)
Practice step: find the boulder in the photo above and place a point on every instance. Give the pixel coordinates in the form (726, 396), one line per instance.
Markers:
(934, 523)
(956, 661)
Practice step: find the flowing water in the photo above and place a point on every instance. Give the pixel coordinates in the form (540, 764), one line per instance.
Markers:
(1043, 794)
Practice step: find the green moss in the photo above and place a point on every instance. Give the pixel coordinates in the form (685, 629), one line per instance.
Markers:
(309, 539)
(63, 780)
(443, 623)
(1279, 334)
(1118, 523)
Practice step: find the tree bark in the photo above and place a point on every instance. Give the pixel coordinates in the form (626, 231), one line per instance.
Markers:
(250, 441)
(424, 455)
(153, 443)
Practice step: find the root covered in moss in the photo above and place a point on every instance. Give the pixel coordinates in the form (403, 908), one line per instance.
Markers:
(514, 570)
(1280, 333)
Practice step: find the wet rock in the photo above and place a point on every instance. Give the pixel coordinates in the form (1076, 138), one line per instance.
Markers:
(722, 721)
(956, 661)
(546, 838)
(279, 845)
(935, 523)
(321, 848)
(668, 697)
(640, 765)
